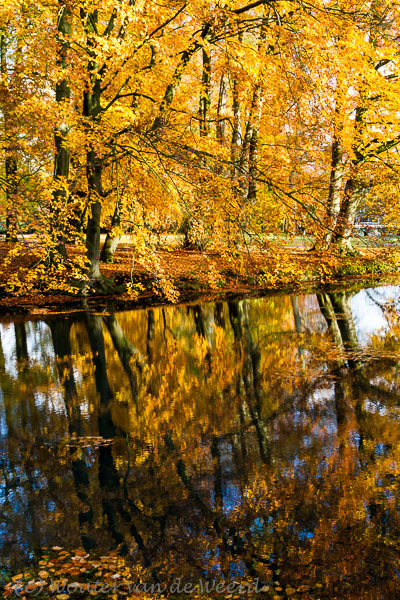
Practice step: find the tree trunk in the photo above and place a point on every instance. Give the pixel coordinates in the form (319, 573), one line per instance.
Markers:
(93, 240)
(341, 237)
(253, 152)
(237, 131)
(204, 129)
(222, 98)
(94, 164)
(248, 158)
(353, 189)
(10, 159)
(94, 172)
(172, 87)
(205, 94)
(11, 168)
(62, 154)
(255, 112)
(111, 242)
(335, 192)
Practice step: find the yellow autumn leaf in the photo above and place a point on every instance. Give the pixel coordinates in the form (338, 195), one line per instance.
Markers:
(43, 574)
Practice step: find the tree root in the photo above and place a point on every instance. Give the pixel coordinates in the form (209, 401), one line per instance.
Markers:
(99, 286)
(347, 250)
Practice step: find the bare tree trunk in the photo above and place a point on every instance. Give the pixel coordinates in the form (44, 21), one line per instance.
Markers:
(10, 159)
(353, 188)
(111, 242)
(63, 95)
(204, 126)
(345, 220)
(335, 191)
(11, 168)
(172, 87)
(62, 154)
(248, 158)
(222, 98)
(94, 173)
(205, 94)
(237, 130)
(94, 163)
(253, 152)
(252, 124)
(93, 241)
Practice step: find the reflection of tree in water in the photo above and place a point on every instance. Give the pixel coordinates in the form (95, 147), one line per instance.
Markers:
(60, 331)
(33, 480)
(237, 446)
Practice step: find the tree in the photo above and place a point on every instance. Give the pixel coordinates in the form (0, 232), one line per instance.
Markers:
(224, 120)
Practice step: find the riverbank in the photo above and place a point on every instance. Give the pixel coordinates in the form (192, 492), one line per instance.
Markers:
(197, 275)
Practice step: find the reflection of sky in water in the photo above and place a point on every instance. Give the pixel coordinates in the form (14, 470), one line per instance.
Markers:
(306, 427)
(257, 527)
(3, 425)
(375, 407)
(38, 343)
(52, 398)
(231, 496)
(8, 342)
(367, 314)
(230, 488)
(305, 534)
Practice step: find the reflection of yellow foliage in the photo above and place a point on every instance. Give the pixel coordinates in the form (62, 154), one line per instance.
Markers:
(239, 435)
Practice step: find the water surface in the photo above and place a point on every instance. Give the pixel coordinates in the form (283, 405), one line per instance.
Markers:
(257, 438)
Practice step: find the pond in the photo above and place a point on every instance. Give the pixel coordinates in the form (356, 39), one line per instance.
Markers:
(248, 440)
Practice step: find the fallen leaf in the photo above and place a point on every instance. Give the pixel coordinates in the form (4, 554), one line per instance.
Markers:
(43, 574)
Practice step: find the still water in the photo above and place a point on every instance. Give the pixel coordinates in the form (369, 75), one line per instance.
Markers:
(256, 438)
